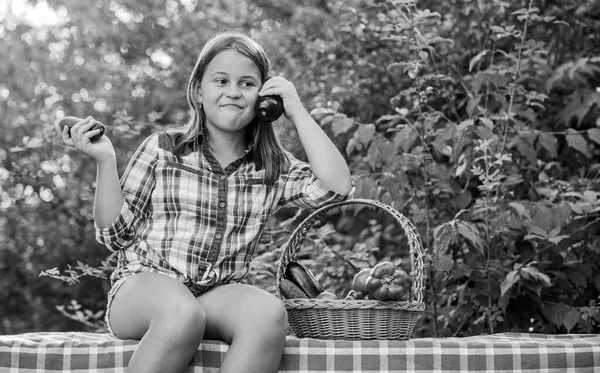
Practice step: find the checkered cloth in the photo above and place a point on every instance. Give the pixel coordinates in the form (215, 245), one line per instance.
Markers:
(499, 353)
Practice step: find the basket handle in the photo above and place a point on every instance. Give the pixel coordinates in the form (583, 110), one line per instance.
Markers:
(294, 243)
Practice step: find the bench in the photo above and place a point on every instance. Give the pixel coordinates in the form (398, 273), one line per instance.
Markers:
(504, 352)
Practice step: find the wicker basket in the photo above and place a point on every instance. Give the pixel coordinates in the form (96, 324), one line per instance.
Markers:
(355, 319)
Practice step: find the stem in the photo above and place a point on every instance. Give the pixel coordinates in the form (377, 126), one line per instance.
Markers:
(433, 301)
(462, 324)
(572, 240)
(349, 263)
(423, 162)
(514, 82)
(488, 243)
(487, 85)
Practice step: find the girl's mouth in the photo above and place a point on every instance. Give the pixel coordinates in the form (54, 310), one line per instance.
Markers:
(232, 105)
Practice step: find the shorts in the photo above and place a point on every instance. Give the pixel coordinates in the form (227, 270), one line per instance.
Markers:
(195, 289)
(111, 294)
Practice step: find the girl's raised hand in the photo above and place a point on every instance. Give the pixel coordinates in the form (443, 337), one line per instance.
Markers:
(79, 137)
(280, 86)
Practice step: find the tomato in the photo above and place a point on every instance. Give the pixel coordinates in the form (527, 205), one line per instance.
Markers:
(359, 282)
(387, 282)
(354, 295)
(327, 295)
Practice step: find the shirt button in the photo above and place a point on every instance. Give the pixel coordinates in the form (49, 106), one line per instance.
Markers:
(222, 204)
(222, 177)
(218, 235)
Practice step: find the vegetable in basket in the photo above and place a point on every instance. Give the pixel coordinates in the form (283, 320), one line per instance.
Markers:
(289, 290)
(303, 278)
(388, 282)
(327, 295)
(359, 282)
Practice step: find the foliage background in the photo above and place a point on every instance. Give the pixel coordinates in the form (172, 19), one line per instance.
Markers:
(478, 120)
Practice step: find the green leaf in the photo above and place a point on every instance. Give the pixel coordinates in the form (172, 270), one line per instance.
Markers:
(472, 105)
(577, 142)
(443, 235)
(554, 232)
(498, 29)
(555, 312)
(488, 123)
(511, 278)
(443, 263)
(406, 139)
(402, 65)
(531, 273)
(341, 124)
(320, 112)
(557, 239)
(574, 73)
(471, 233)
(537, 231)
(366, 187)
(590, 196)
(571, 319)
(577, 277)
(476, 59)
(413, 73)
(525, 147)
(374, 154)
(594, 135)
(519, 209)
(579, 105)
(463, 199)
(548, 142)
(365, 133)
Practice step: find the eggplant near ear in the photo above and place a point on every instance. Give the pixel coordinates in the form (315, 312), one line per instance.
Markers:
(269, 108)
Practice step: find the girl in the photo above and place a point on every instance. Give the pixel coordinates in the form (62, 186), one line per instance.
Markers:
(187, 214)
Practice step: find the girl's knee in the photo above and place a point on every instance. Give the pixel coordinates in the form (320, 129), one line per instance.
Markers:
(270, 316)
(185, 318)
(151, 301)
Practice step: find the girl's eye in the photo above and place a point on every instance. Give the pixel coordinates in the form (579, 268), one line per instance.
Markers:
(248, 84)
(221, 81)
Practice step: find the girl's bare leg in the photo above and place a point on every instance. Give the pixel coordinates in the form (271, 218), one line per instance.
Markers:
(164, 315)
(252, 320)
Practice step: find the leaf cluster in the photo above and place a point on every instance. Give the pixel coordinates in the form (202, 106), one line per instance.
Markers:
(478, 121)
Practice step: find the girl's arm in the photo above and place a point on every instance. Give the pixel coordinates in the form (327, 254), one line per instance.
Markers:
(109, 199)
(325, 160)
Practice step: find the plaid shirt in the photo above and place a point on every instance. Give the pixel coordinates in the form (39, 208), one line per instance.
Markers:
(189, 218)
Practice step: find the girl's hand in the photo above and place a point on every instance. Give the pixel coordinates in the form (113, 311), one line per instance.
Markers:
(280, 86)
(79, 136)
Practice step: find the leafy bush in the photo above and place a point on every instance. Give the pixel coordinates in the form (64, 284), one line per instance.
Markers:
(506, 200)
(476, 120)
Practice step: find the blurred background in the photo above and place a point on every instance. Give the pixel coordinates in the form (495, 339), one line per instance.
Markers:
(477, 120)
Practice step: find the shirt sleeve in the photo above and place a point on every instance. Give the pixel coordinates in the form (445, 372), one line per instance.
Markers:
(303, 189)
(137, 184)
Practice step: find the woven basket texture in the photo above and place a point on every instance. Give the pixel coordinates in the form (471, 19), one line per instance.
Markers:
(355, 319)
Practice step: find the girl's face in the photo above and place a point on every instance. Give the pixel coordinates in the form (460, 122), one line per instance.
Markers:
(229, 91)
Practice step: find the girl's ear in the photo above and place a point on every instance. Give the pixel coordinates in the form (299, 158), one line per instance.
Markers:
(199, 97)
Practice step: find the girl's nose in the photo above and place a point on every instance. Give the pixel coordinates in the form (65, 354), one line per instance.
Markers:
(233, 92)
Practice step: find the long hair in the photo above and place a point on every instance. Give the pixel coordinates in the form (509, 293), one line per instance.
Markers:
(267, 151)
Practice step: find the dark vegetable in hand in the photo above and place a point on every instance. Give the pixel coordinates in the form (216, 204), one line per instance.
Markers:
(269, 108)
(70, 121)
